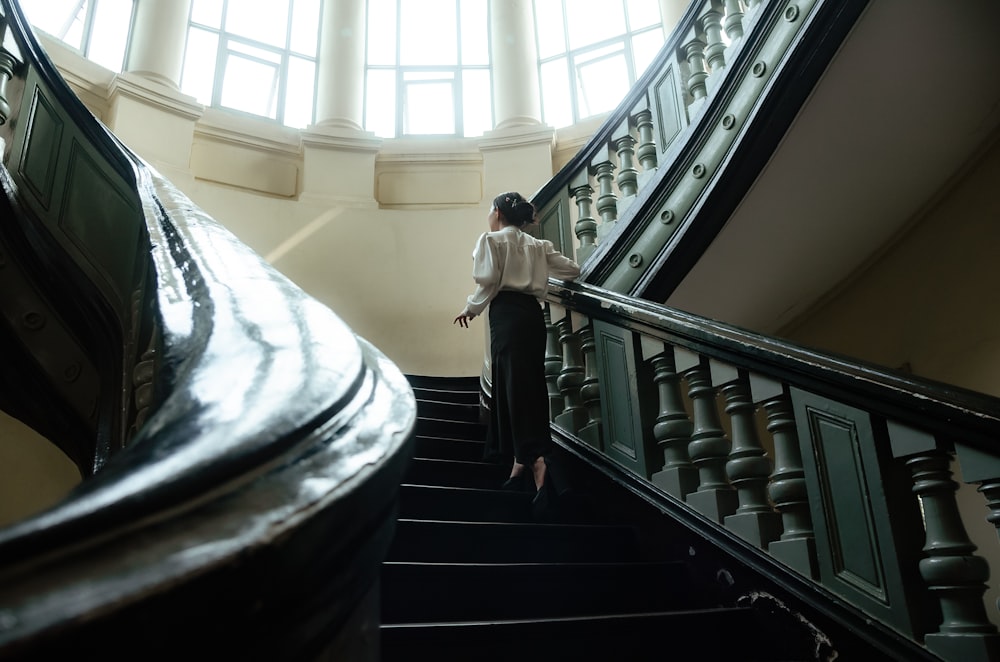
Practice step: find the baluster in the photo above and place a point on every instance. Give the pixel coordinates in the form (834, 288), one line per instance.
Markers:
(673, 427)
(590, 391)
(953, 574)
(734, 21)
(627, 174)
(574, 415)
(694, 53)
(553, 359)
(748, 467)
(142, 381)
(709, 448)
(646, 152)
(7, 64)
(586, 226)
(607, 202)
(796, 547)
(715, 49)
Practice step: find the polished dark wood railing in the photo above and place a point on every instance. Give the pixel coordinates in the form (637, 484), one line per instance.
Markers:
(835, 478)
(241, 447)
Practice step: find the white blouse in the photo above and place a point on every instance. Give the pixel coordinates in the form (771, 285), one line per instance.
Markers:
(510, 259)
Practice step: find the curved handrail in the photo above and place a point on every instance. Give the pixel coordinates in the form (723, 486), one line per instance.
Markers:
(255, 498)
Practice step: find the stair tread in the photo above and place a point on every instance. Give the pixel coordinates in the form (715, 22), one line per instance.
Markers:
(422, 592)
(471, 541)
(681, 634)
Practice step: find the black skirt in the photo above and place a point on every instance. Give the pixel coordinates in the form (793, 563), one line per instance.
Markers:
(519, 416)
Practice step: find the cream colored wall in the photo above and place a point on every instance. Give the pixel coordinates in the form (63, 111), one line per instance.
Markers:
(928, 301)
(380, 231)
(43, 473)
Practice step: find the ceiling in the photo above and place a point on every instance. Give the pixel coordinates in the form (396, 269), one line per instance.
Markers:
(912, 94)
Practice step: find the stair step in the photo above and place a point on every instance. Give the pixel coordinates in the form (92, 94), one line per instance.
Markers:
(442, 427)
(429, 502)
(430, 446)
(456, 384)
(454, 411)
(422, 592)
(714, 634)
(456, 473)
(434, 541)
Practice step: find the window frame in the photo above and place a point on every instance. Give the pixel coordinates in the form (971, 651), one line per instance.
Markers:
(448, 73)
(284, 55)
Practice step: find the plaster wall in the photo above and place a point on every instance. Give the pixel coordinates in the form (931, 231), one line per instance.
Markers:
(925, 301)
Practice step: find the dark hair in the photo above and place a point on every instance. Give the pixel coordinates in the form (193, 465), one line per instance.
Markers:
(515, 208)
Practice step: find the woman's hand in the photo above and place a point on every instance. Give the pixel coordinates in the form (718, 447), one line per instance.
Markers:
(463, 319)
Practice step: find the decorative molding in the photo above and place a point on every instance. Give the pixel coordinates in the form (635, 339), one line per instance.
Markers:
(144, 90)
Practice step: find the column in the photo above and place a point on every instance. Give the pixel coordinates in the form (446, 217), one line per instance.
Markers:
(340, 91)
(515, 64)
(338, 154)
(158, 37)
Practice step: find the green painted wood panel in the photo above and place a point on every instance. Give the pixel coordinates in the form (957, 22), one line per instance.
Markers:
(628, 408)
(854, 495)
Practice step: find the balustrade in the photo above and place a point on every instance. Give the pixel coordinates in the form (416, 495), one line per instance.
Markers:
(624, 155)
(761, 490)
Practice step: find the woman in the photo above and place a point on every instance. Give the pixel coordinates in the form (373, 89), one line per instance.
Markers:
(511, 269)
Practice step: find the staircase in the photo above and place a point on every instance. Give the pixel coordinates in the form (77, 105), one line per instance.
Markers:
(472, 576)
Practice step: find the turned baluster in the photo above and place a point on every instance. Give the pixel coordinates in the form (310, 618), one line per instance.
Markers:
(607, 202)
(574, 414)
(734, 21)
(796, 547)
(7, 64)
(694, 53)
(627, 174)
(715, 48)
(672, 430)
(748, 467)
(590, 390)
(586, 226)
(553, 361)
(646, 151)
(709, 447)
(953, 574)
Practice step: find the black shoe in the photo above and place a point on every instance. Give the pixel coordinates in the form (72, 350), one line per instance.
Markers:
(545, 505)
(519, 483)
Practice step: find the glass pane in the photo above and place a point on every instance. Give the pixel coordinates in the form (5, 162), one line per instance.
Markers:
(428, 32)
(557, 110)
(477, 102)
(642, 13)
(199, 64)
(62, 19)
(645, 47)
(380, 103)
(109, 34)
(601, 84)
(549, 28)
(428, 107)
(250, 86)
(475, 32)
(207, 12)
(253, 52)
(265, 21)
(305, 27)
(300, 92)
(381, 32)
(589, 25)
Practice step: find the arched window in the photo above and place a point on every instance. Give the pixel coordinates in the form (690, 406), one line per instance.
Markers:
(97, 29)
(254, 56)
(428, 68)
(590, 54)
